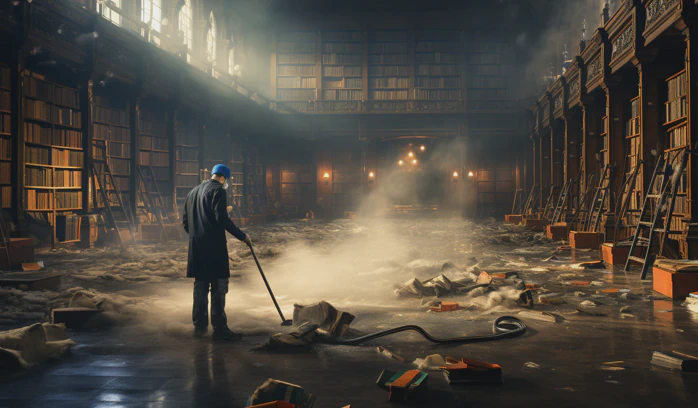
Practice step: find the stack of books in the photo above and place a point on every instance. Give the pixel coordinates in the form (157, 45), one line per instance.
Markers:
(467, 371)
(404, 385)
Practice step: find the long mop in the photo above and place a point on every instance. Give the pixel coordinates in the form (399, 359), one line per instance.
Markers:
(284, 321)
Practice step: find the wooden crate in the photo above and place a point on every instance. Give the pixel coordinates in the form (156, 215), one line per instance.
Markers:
(20, 250)
(513, 218)
(535, 224)
(617, 255)
(676, 285)
(585, 240)
(557, 232)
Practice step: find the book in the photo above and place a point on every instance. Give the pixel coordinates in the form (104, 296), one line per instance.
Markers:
(468, 371)
(675, 361)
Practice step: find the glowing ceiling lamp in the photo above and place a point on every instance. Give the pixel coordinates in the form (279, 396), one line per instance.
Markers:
(470, 174)
(414, 161)
(400, 162)
(410, 154)
(455, 174)
(422, 148)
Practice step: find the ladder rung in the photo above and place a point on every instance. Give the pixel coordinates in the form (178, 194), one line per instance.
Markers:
(633, 211)
(654, 195)
(672, 232)
(645, 223)
(637, 259)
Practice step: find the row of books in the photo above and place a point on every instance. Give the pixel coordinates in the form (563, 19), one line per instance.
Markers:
(488, 94)
(66, 116)
(186, 180)
(423, 94)
(4, 76)
(285, 70)
(423, 69)
(387, 59)
(389, 82)
(5, 123)
(342, 71)
(342, 47)
(485, 58)
(297, 36)
(289, 47)
(678, 137)
(388, 95)
(67, 158)
(632, 127)
(295, 95)
(5, 100)
(5, 172)
(187, 135)
(157, 143)
(39, 199)
(5, 148)
(437, 57)
(59, 115)
(68, 199)
(187, 153)
(35, 133)
(487, 70)
(435, 83)
(152, 128)
(67, 178)
(36, 155)
(388, 71)
(68, 227)
(121, 167)
(387, 47)
(676, 87)
(117, 149)
(187, 167)
(342, 95)
(343, 83)
(111, 116)
(48, 92)
(396, 35)
(116, 134)
(5, 197)
(155, 159)
(439, 46)
(38, 176)
(349, 59)
(298, 58)
(161, 173)
(297, 82)
(342, 36)
(437, 35)
(676, 109)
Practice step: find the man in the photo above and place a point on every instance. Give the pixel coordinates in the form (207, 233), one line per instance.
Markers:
(205, 220)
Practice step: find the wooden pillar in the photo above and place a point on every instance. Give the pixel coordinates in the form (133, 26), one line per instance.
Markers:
(535, 162)
(557, 153)
(592, 111)
(691, 246)
(171, 130)
(17, 128)
(545, 166)
(134, 180)
(615, 100)
(651, 112)
(573, 137)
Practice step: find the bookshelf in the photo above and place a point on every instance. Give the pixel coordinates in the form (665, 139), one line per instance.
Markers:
(111, 127)
(676, 122)
(237, 177)
(346, 182)
(604, 152)
(296, 76)
(53, 155)
(297, 183)
(437, 65)
(154, 149)
(388, 65)
(634, 154)
(187, 165)
(6, 139)
(342, 63)
(255, 179)
(488, 70)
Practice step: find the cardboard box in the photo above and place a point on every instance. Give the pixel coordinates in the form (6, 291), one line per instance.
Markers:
(618, 254)
(557, 232)
(676, 285)
(513, 218)
(535, 224)
(585, 240)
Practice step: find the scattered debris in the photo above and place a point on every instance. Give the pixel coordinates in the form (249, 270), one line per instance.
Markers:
(31, 345)
(692, 304)
(274, 390)
(525, 299)
(551, 299)
(405, 385)
(593, 265)
(531, 365)
(444, 307)
(675, 361)
(468, 371)
(587, 303)
(430, 363)
(325, 316)
(626, 310)
(33, 266)
(542, 316)
(552, 258)
(384, 351)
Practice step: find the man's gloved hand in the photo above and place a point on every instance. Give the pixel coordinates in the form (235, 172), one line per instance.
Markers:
(248, 241)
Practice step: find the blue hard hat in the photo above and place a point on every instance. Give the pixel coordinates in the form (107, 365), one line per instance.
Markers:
(222, 170)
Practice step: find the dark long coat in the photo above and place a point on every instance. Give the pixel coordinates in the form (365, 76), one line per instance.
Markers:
(206, 219)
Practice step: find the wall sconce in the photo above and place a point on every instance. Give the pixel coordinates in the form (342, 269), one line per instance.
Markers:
(326, 177)
(471, 174)
(422, 148)
(400, 163)
(371, 176)
(455, 176)
(410, 154)
(414, 161)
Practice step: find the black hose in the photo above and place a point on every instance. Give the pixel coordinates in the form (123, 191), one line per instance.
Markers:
(504, 327)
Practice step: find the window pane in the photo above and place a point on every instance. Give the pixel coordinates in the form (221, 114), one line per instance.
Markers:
(185, 22)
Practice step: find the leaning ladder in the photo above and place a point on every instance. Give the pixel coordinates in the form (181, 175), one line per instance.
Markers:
(561, 202)
(518, 201)
(147, 197)
(549, 204)
(623, 203)
(661, 196)
(597, 203)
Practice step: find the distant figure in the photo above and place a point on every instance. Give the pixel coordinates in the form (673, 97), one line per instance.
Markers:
(206, 220)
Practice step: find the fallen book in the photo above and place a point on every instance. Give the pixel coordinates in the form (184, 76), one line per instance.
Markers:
(675, 361)
(403, 385)
(693, 295)
(467, 371)
(274, 390)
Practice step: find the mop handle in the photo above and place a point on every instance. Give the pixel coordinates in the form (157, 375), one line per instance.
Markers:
(278, 309)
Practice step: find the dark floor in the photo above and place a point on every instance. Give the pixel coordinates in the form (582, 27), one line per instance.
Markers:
(108, 371)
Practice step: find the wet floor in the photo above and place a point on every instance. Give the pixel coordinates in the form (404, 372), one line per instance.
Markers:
(583, 360)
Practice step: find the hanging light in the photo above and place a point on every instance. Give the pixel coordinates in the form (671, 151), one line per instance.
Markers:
(371, 175)
(400, 162)
(455, 174)
(470, 174)
(422, 148)
(414, 161)
(410, 154)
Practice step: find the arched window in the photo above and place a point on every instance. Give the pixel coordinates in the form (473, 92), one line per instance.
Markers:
(110, 14)
(185, 24)
(151, 13)
(211, 38)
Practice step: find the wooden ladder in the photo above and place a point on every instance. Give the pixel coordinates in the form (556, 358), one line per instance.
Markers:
(530, 205)
(561, 202)
(623, 203)
(597, 203)
(550, 203)
(101, 189)
(150, 201)
(660, 199)
(518, 201)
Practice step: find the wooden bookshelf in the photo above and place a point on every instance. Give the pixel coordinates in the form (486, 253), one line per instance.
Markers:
(346, 182)
(6, 139)
(237, 177)
(297, 183)
(111, 126)
(296, 75)
(488, 69)
(634, 153)
(604, 152)
(187, 164)
(53, 155)
(342, 65)
(676, 107)
(255, 180)
(437, 65)
(388, 65)
(676, 123)
(154, 149)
